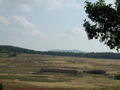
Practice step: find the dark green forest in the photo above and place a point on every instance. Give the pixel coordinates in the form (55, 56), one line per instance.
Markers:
(18, 50)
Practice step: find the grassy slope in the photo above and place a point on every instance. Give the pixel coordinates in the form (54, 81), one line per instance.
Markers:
(18, 70)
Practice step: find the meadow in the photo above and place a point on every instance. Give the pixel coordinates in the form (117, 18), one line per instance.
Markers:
(23, 72)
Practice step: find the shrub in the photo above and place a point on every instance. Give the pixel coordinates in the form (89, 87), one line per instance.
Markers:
(117, 77)
(59, 70)
(1, 86)
(95, 72)
(12, 54)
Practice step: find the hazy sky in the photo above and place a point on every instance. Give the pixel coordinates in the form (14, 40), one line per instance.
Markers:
(46, 25)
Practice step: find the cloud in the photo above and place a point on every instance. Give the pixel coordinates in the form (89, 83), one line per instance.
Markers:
(62, 4)
(77, 30)
(4, 20)
(74, 5)
(23, 21)
(13, 6)
(20, 31)
(22, 24)
(26, 25)
(75, 33)
(67, 3)
(52, 4)
(24, 7)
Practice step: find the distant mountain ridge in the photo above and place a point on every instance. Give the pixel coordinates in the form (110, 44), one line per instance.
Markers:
(72, 51)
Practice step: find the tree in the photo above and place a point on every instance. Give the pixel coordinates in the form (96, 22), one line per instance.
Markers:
(104, 22)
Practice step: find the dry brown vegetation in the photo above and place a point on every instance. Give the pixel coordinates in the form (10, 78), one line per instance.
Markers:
(23, 69)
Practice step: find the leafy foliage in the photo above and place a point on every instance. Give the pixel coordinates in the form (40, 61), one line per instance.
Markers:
(104, 24)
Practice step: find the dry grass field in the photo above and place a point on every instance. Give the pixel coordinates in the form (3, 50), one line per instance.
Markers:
(24, 71)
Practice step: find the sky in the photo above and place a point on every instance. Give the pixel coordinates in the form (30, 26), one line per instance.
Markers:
(46, 25)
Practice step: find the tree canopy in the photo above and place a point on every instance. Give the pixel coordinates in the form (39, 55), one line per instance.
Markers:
(103, 22)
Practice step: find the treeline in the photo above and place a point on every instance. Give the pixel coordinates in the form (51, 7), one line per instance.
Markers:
(17, 50)
(105, 55)
(8, 49)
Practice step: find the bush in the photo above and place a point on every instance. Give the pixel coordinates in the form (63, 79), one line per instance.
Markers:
(12, 54)
(95, 72)
(117, 77)
(59, 70)
(1, 87)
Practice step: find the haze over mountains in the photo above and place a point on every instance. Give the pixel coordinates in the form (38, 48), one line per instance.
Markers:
(72, 51)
